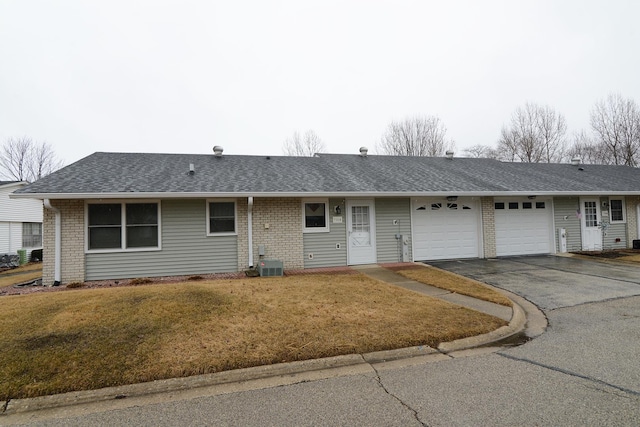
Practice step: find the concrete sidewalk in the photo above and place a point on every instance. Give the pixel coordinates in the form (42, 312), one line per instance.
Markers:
(384, 275)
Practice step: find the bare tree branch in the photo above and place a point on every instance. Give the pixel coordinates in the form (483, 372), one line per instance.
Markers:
(22, 159)
(536, 134)
(303, 146)
(481, 151)
(415, 136)
(615, 122)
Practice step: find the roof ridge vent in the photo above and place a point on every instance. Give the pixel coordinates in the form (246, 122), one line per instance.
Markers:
(217, 150)
(449, 154)
(364, 151)
(575, 161)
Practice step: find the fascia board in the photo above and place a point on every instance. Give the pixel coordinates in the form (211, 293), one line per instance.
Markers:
(199, 195)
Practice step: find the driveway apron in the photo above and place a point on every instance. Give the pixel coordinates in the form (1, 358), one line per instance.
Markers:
(552, 282)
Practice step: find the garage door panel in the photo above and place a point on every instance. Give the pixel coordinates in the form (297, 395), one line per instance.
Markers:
(443, 230)
(523, 231)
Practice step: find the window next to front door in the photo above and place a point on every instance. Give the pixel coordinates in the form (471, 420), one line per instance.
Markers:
(616, 210)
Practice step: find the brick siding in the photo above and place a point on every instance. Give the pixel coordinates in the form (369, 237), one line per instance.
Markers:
(283, 237)
(72, 253)
(631, 203)
(488, 227)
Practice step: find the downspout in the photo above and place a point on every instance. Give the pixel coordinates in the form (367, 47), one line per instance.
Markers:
(250, 230)
(58, 241)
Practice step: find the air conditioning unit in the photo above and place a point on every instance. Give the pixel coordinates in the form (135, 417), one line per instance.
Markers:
(268, 268)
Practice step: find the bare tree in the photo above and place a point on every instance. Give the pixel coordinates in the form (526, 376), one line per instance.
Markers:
(481, 151)
(536, 134)
(22, 159)
(615, 122)
(415, 136)
(586, 149)
(304, 146)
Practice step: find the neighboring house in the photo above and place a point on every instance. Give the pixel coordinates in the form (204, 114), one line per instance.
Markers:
(122, 215)
(20, 220)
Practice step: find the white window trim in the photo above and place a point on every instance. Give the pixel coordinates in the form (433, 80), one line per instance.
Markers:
(235, 218)
(123, 226)
(624, 211)
(324, 229)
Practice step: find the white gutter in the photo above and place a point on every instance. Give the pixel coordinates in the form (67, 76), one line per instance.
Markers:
(250, 229)
(188, 195)
(58, 241)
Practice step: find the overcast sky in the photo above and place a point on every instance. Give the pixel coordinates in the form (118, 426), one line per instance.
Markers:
(183, 76)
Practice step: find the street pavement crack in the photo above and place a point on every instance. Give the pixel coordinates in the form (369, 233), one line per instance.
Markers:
(383, 387)
(573, 374)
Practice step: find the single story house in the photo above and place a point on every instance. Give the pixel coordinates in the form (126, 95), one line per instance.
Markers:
(20, 220)
(123, 215)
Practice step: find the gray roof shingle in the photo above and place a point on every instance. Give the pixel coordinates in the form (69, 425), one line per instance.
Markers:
(126, 173)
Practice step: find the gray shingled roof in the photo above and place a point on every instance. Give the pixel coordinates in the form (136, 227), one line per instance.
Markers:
(132, 173)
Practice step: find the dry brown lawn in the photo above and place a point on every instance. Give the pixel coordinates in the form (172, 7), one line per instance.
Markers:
(21, 274)
(631, 258)
(92, 338)
(452, 282)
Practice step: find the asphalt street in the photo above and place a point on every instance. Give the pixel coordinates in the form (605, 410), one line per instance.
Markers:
(584, 370)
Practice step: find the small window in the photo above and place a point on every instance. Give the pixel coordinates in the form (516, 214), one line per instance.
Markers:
(527, 205)
(465, 207)
(222, 217)
(616, 210)
(31, 234)
(142, 225)
(105, 226)
(499, 205)
(452, 206)
(315, 215)
(513, 205)
(435, 206)
(540, 205)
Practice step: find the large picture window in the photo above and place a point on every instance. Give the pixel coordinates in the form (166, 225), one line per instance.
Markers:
(315, 215)
(122, 226)
(221, 217)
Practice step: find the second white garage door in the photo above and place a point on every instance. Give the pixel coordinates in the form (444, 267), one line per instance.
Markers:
(523, 226)
(445, 229)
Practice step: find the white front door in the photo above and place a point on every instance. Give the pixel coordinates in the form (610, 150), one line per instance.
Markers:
(361, 233)
(590, 222)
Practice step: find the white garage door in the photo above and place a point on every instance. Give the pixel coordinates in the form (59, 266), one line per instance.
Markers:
(445, 229)
(523, 227)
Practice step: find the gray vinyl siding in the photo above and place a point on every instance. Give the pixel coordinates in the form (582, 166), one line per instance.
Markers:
(186, 248)
(323, 245)
(387, 210)
(565, 209)
(613, 231)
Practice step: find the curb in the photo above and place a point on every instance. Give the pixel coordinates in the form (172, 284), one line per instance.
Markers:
(516, 325)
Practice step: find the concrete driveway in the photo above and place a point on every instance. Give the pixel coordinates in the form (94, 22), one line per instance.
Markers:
(552, 282)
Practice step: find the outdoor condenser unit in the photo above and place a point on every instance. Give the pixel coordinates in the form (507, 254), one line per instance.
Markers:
(268, 268)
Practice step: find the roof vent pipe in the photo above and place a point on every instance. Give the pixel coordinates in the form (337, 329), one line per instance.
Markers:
(576, 161)
(364, 151)
(449, 154)
(192, 169)
(217, 150)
